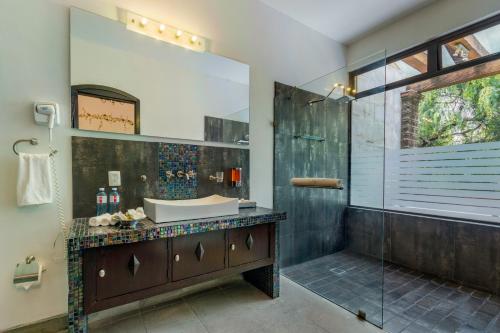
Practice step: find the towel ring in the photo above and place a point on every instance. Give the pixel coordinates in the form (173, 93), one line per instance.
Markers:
(32, 141)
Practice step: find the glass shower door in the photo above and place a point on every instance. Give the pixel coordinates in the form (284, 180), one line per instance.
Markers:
(365, 217)
(327, 246)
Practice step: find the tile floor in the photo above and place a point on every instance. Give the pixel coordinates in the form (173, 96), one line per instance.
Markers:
(413, 302)
(238, 307)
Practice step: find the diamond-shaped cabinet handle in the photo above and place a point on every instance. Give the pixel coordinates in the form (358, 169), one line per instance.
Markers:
(133, 265)
(200, 252)
(249, 241)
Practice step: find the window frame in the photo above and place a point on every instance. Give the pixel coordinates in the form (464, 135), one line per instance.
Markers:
(434, 58)
(434, 69)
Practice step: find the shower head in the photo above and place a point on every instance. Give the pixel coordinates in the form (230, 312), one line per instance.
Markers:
(345, 99)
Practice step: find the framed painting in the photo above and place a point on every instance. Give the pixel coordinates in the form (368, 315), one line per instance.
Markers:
(104, 109)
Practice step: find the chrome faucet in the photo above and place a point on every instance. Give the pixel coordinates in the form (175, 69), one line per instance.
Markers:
(190, 174)
(218, 178)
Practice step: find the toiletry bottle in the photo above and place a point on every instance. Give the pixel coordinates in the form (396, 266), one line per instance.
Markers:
(114, 201)
(236, 177)
(102, 202)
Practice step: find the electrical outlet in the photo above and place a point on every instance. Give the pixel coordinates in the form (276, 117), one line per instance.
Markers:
(114, 178)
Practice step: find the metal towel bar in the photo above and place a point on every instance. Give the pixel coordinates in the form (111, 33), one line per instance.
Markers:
(33, 142)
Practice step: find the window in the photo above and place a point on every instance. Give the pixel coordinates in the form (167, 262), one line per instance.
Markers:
(470, 47)
(413, 65)
(462, 113)
(370, 79)
(466, 47)
(394, 71)
(447, 161)
(436, 149)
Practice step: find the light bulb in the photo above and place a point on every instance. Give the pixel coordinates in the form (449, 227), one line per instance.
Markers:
(348, 89)
(353, 91)
(161, 28)
(144, 21)
(194, 38)
(336, 85)
(178, 33)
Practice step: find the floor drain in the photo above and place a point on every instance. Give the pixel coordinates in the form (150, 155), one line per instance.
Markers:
(337, 271)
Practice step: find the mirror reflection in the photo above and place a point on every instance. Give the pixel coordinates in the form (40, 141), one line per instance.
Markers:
(125, 82)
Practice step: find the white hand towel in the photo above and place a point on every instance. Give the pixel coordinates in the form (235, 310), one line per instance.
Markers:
(34, 181)
(101, 220)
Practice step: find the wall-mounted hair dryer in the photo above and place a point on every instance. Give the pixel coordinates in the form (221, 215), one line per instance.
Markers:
(47, 114)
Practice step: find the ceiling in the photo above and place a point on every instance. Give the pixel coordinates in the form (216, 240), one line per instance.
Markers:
(345, 20)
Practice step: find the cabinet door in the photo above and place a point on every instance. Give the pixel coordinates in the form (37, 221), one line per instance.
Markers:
(198, 254)
(248, 244)
(126, 268)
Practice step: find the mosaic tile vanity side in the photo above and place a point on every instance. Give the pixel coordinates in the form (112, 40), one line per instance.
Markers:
(77, 320)
(82, 236)
(268, 278)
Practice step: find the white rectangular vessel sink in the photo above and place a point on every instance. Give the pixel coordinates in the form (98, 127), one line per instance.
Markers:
(178, 210)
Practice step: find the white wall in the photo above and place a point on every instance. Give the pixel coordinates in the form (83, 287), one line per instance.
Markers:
(34, 66)
(436, 19)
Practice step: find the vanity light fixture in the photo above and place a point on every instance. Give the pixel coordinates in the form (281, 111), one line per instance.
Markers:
(164, 32)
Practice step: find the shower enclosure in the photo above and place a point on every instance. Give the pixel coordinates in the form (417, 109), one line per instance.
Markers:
(411, 241)
(321, 131)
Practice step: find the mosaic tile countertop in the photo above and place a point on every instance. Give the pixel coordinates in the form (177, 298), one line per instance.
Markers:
(87, 237)
(82, 236)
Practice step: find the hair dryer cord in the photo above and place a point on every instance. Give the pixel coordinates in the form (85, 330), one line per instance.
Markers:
(60, 209)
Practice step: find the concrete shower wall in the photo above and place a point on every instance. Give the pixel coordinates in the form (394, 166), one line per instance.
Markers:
(315, 226)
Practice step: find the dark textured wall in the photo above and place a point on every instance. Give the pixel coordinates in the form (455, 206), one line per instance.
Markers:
(457, 250)
(225, 130)
(314, 227)
(94, 157)
(213, 159)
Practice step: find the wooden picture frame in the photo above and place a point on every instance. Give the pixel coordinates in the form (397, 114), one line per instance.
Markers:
(90, 109)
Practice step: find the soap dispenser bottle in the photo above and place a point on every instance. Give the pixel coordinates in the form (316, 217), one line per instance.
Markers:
(236, 175)
(102, 202)
(114, 201)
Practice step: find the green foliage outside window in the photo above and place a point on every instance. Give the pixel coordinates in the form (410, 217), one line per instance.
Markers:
(463, 113)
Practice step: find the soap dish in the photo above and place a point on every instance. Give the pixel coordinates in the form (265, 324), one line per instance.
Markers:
(128, 224)
(247, 203)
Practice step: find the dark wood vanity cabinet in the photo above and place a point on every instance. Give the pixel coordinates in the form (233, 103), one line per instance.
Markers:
(122, 269)
(198, 254)
(249, 244)
(119, 274)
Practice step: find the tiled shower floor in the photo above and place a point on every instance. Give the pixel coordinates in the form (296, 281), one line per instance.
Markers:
(413, 302)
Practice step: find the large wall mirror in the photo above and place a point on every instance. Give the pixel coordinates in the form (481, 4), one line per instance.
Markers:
(125, 82)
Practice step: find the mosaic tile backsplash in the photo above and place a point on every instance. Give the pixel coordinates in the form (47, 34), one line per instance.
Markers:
(93, 157)
(174, 158)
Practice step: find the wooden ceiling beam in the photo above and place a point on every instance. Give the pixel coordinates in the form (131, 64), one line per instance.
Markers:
(416, 63)
(471, 73)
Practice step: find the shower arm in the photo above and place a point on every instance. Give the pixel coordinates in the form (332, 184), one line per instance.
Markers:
(311, 102)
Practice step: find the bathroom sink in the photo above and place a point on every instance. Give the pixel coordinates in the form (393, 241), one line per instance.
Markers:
(178, 210)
